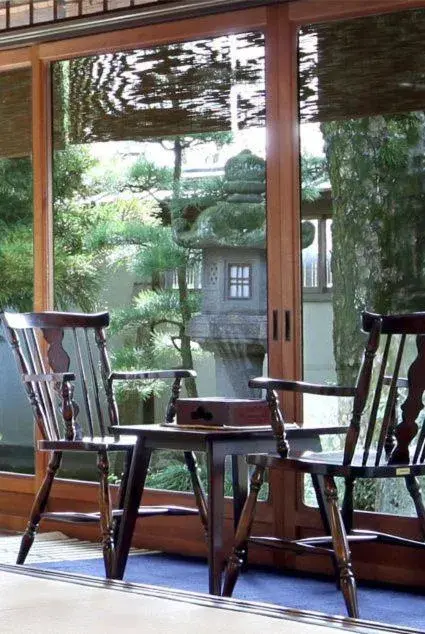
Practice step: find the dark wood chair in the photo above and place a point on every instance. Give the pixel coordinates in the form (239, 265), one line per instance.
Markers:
(65, 368)
(383, 440)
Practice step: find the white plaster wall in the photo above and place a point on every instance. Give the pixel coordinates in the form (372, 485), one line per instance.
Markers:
(319, 365)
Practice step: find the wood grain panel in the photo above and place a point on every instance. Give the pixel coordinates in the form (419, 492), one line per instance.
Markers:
(309, 11)
(42, 177)
(16, 58)
(210, 26)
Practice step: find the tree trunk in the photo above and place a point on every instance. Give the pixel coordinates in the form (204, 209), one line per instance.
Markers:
(185, 347)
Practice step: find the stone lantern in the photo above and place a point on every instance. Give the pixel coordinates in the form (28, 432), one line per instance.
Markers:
(232, 236)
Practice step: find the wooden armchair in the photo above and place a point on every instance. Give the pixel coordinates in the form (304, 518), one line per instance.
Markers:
(64, 365)
(378, 444)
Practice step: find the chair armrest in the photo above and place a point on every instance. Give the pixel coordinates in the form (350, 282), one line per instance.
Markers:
(301, 386)
(152, 374)
(54, 377)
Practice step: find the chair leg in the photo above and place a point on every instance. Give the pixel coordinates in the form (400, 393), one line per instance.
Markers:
(341, 548)
(198, 490)
(238, 556)
(39, 507)
(348, 504)
(122, 492)
(106, 522)
(414, 489)
(318, 485)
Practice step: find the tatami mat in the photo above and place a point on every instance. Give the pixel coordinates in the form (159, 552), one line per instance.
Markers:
(49, 547)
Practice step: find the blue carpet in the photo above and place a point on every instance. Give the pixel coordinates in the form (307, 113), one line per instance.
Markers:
(382, 604)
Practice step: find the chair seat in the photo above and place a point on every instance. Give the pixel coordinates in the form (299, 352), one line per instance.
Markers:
(330, 463)
(89, 443)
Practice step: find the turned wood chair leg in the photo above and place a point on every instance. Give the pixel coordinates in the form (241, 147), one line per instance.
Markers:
(121, 493)
(341, 549)
(238, 555)
(200, 499)
(318, 485)
(106, 522)
(414, 489)
(39, 507)
(348, 505)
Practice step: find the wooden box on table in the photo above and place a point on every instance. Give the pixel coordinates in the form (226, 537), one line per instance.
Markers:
(222, 412)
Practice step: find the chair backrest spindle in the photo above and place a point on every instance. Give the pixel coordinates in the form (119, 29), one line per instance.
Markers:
(390, 402)
(95, 385)
(85, 390)
(376, 401)
(362, 391)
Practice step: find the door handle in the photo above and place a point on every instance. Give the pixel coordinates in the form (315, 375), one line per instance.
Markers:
(275, 325)
(287, 325)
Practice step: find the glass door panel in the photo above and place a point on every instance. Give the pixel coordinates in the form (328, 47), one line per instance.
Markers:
(160, 215)
(362, 111)
(16, 261)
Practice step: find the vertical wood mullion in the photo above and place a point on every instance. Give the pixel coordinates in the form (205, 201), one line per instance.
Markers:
(283, 236)
(31, 12)
(42, 205)
(283, 230)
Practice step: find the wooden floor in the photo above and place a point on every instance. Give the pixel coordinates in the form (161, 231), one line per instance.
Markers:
(41, 602)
